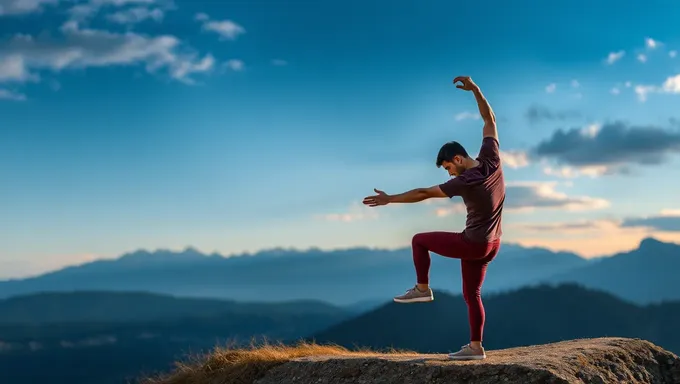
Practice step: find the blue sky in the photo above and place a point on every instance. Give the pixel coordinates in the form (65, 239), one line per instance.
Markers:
(237, 126)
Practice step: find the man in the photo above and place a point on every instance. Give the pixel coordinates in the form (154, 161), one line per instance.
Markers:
(481, 185)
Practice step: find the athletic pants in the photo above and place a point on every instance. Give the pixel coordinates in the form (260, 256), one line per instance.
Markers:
(474, 258)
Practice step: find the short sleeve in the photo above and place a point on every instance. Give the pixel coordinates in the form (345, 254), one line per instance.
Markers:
(490, 150)
(453, 187)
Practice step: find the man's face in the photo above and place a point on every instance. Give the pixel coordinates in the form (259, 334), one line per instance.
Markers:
(455, 167)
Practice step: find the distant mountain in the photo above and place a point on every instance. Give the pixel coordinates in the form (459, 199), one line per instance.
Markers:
(646, 274)
(283, 275)
(110, 307)
(357, 277)
(530, 315)
(105, 353)
(108, 353)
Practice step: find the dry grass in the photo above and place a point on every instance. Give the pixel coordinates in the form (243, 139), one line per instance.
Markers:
(245, 365)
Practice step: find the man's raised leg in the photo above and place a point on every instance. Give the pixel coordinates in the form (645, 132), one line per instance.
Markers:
(448, 244)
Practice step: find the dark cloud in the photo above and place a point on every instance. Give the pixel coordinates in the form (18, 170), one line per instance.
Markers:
(614, 144)
(659, 223)
(538, 113)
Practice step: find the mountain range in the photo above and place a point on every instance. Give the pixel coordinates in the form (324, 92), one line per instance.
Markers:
(359, 277)
(96, 341)
(526, 316)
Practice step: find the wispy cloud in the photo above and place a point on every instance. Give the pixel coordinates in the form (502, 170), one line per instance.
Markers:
(668, 221)
(550, 88)
(530, 196)
(355, 212)
(613, 57)
(670, 86)
(19, 7)
(84, 47)
(234, 65)
(587, 238)
(524, 197)
(537, 113)
(514, 159)
(651, 43)
(6, 94)
(226, 29)
(136, 15)
(467, 116)
(279, 62)
(642, 58)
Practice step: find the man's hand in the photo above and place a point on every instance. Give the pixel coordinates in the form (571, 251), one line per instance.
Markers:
(468, 84)
(380, 199)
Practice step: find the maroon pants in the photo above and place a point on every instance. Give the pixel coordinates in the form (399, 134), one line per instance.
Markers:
(474, 258)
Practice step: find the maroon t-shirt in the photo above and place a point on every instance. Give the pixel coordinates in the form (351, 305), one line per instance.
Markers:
(483, 191)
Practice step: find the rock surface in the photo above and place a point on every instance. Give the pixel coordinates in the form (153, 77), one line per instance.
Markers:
(601, 360)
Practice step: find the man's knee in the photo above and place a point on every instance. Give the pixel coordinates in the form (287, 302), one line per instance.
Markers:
(418, 239)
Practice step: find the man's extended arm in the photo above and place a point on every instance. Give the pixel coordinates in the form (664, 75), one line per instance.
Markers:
(487, 114)
(412, 196)
(484, 108)
(417, 195)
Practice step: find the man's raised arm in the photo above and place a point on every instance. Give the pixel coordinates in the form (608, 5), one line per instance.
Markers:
(484, 108)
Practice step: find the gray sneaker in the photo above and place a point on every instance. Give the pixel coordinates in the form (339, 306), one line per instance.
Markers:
(467, 353)
(414, 295)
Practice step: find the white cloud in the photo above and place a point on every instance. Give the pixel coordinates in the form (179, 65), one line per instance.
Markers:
(568, 172)
(615, 91)
(614, 57)
(6, 94)
(83, 48)
(234, 65)
(531, 196)
(18, 7)
(651, 43)
(226, 29)
(136, 15)
(670, 86)
(467, 115)
(279, 62)
(628, 84)
(551, 88)
(514, 159)
(12, 68)
(642, 58)
(83, 11)
(356, 212)
(451, 209)
(672, 54)
(522, 197)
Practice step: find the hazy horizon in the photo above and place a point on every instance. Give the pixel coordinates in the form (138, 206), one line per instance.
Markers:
(237, 127)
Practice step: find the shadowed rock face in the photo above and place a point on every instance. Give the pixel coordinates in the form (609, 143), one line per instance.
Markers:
(602, 360)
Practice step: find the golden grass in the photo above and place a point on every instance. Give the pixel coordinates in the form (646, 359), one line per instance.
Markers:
(245, 365)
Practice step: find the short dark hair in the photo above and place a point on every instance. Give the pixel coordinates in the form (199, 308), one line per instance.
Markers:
(449, 151)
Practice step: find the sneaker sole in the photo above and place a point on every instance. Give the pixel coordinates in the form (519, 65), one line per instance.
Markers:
(415, 300)
(467, 358)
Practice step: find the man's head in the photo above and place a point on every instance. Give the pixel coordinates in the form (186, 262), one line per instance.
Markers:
(454, 158)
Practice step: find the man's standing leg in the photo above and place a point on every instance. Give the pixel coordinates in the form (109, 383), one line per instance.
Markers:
(473, 273)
